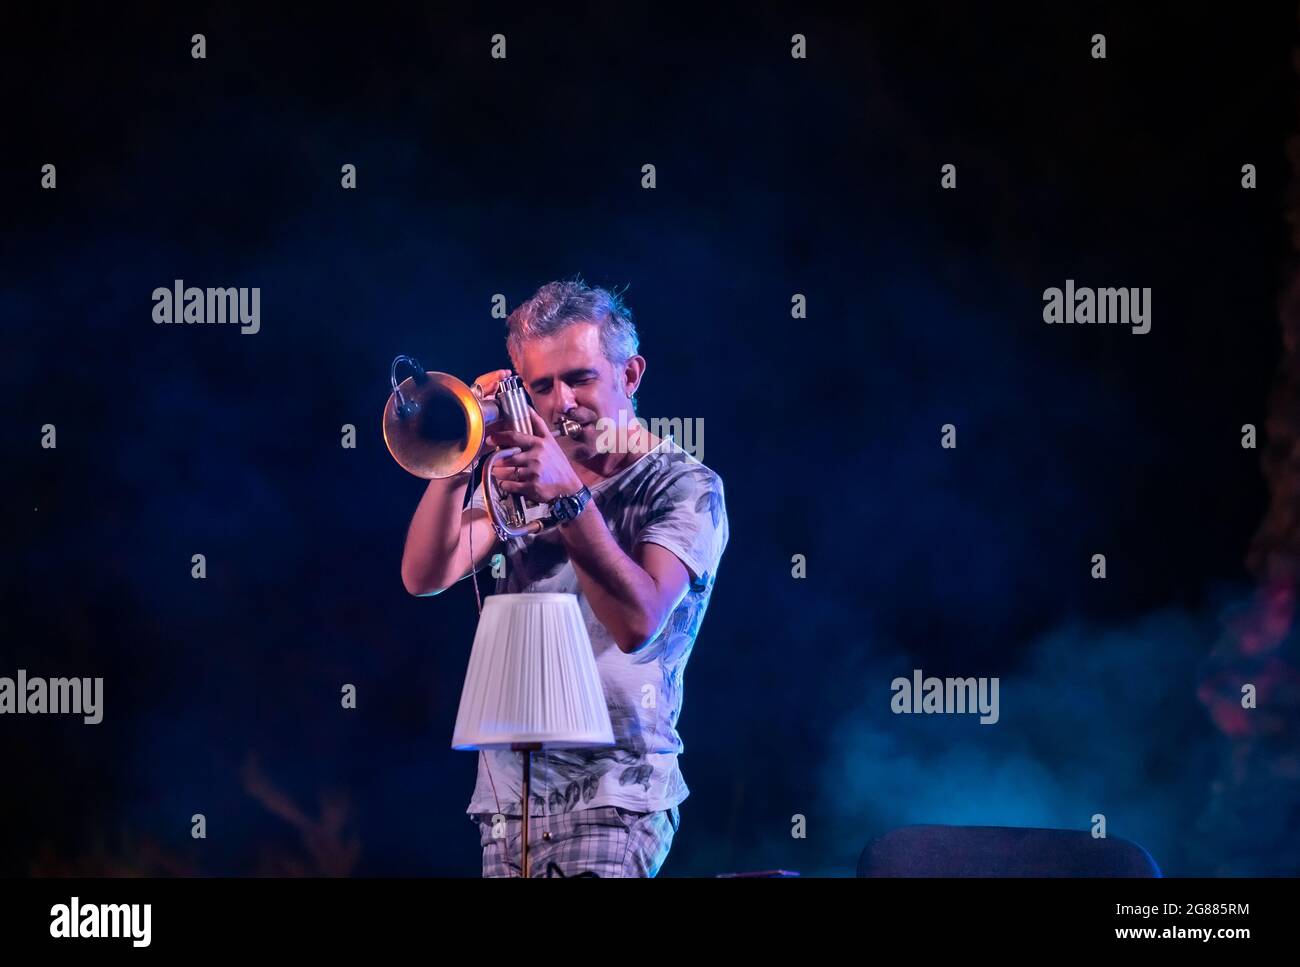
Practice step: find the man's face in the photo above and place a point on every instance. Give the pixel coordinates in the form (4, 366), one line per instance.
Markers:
(567, 375)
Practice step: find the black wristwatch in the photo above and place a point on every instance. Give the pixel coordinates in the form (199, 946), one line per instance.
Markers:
(566, 508)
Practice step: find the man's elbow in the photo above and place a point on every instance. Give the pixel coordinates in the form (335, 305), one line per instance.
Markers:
(630, 644)
(635, 637)
(418, 587)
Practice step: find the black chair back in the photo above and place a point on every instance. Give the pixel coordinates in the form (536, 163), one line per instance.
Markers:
(1001, 851)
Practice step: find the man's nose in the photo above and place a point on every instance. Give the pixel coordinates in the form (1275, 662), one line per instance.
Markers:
(567, 401)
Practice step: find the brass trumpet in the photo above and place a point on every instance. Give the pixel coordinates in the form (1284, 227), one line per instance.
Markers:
(435, 427)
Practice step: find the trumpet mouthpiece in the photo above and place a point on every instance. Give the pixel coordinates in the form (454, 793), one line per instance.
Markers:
(567, 427)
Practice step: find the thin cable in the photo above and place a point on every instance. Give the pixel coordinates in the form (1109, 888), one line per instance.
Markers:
(473, 571)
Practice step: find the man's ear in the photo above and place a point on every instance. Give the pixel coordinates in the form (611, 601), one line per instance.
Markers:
(633, 372)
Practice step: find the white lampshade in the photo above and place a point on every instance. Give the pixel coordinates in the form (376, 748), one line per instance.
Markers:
(532, 678)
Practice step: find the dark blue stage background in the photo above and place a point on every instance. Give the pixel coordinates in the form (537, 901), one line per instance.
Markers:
(775, 176)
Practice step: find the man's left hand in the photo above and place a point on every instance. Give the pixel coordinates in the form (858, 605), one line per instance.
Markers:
(539, 470)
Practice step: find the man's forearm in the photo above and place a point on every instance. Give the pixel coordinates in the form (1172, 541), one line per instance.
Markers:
(434, 535)
(619, 590)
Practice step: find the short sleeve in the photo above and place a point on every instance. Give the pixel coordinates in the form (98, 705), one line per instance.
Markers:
(688, 516)
(476, 498)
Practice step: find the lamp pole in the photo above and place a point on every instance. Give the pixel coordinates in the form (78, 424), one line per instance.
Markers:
(527, 748)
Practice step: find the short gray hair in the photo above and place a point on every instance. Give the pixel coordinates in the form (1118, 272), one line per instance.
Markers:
(558, 305)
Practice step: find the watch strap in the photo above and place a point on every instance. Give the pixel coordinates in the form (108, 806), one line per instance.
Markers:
(583, 497)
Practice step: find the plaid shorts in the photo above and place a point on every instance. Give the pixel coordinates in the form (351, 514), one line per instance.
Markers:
(607, 841)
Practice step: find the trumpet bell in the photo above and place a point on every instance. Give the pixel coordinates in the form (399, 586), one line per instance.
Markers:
(434, 426)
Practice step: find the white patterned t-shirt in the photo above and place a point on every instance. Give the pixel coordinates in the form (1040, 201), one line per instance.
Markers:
(663, 497)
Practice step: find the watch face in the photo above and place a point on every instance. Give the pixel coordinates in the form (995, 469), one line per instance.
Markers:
(567, 508)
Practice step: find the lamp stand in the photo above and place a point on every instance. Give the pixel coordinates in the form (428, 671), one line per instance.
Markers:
(527, 748)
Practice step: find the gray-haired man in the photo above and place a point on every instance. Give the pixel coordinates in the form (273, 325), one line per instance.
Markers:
(641, 556)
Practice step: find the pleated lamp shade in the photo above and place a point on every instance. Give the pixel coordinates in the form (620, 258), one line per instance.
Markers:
(532, 678)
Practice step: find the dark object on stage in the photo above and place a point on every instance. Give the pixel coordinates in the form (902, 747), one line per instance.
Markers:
(767, 873)
(1001, 851)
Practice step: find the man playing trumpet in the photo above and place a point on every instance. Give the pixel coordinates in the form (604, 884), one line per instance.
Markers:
(641, 554)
